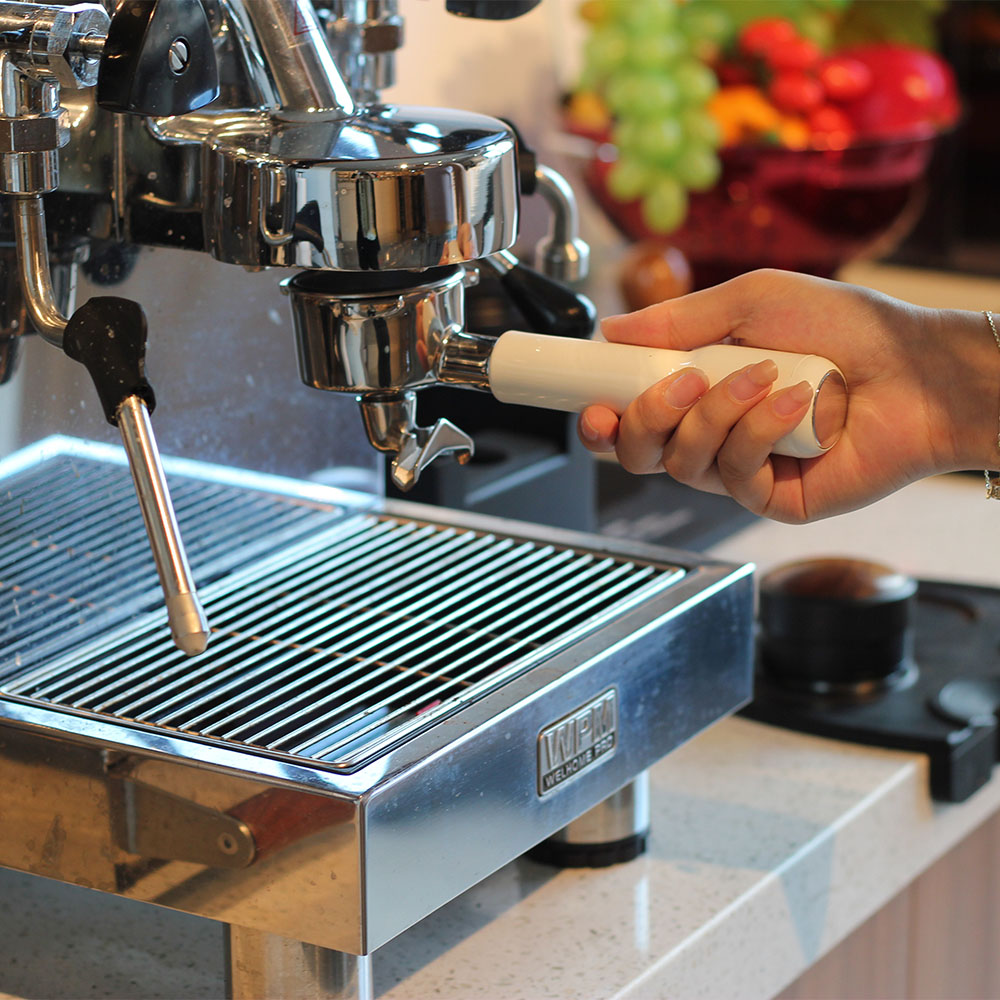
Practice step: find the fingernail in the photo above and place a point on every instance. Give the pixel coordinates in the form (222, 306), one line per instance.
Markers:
(686, 389)
(748, 383)
(792, 400)
(587, 430)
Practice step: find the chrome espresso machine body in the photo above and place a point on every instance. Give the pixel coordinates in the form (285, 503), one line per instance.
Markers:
(395, 700)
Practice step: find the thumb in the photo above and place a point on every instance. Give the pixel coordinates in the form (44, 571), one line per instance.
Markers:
(703, 317)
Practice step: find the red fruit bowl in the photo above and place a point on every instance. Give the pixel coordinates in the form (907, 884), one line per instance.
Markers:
(801, 210)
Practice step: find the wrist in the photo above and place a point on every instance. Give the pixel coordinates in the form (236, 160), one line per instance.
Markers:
(970, 356)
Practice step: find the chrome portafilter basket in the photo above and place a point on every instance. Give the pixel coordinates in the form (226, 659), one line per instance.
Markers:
(376, 332)
(380, 336)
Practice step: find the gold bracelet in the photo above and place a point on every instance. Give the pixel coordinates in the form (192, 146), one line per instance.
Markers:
(993, 476)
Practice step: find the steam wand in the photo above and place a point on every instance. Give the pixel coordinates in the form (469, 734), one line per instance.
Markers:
(151, 58)
(107, 335)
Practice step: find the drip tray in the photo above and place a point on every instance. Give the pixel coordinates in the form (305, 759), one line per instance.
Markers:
(394, 699)
(358, 634)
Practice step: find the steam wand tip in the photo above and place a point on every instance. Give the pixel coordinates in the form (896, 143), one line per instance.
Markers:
(188, 624)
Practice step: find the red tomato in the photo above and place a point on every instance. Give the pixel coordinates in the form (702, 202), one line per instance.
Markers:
(796, 53)
(759, 36)
(844, 78)
(830, 127)
(794, 91)
(911, 90)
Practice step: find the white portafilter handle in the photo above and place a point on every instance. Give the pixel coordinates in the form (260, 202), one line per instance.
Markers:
(559, 373)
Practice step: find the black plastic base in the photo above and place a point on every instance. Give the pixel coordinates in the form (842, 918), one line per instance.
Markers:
(561, 854)
(947, 707)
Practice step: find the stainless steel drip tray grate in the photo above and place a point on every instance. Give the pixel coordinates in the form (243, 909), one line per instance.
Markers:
(74, 557)
(340, 645)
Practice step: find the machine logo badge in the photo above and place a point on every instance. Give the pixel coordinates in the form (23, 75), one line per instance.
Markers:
(577, 741)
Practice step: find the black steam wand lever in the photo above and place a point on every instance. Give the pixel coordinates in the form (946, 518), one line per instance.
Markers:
(107, 335)
(158, 59)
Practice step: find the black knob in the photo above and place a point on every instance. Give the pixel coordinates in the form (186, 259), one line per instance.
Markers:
(548, 306)
(491, 10)
(107, 335)
(836, 625)
(158, 59)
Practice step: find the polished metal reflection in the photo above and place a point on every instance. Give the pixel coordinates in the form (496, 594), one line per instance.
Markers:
(385, 340)
(621, 815)
(159, 824)
(63, 42)
(98, 574)
(47, 316)
(391, 425)
(364, 36)
(382, 342)
(44, 48)
(391, 188)
(282, 169)
(15, 321)
(184, 612)
(465, 360)
(286, 54)
(264, 965)
(362, 610)
(562, 254)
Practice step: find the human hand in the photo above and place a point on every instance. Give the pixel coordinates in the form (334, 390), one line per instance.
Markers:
(922, 395)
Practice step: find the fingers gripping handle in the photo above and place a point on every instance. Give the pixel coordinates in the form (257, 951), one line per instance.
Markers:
(559, 374)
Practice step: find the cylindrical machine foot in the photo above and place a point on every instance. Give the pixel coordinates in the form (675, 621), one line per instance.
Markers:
(614, 830)
(262, 966)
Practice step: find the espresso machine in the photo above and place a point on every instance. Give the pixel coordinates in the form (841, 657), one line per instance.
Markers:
(236, 680)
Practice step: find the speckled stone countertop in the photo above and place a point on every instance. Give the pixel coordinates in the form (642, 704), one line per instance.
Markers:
(768, 847)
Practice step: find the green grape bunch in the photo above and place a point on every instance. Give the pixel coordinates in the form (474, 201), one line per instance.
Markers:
(647, 58)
